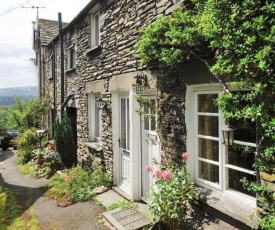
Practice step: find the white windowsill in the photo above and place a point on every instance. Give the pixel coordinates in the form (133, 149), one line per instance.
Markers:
(94, 145)
(237, 206)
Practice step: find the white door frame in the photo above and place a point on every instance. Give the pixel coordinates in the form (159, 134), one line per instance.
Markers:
(134, 191)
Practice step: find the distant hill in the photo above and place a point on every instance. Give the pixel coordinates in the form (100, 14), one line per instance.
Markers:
(7, 95)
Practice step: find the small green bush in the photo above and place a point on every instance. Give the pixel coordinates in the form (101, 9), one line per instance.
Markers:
(76, 185)
(3, 200)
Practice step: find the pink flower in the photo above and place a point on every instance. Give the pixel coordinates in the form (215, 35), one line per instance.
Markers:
(166, 176)
(185, 155)
(158, 174)
(148, 168)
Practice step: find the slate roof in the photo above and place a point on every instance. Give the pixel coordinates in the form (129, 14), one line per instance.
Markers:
(48, 30)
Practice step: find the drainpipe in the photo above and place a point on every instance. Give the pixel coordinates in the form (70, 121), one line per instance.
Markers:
(54, 85)
(61, 61)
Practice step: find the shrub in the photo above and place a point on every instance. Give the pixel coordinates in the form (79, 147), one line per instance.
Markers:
(64, 141)
(171, 198)
(3, 200)
(26, 144)
(76, 185)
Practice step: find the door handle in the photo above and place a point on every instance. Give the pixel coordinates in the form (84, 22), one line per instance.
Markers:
(118, 142)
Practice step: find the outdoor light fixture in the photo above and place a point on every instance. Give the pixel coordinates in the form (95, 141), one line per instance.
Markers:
(141, 83)
(40, 134)
(228, 135)
(102, 102)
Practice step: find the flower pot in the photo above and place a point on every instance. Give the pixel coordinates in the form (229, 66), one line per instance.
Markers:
(54, 167)
(40, 161)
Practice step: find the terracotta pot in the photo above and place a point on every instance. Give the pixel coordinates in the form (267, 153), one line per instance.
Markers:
(40, 161)
(54, 167)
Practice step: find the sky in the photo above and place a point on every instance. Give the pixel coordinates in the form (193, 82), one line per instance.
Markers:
(16, 31)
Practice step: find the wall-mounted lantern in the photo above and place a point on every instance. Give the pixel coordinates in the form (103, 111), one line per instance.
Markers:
(141, 83)
(102, 102)
(228, 135)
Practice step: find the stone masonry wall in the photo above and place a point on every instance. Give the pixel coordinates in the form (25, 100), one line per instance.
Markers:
(120, 22)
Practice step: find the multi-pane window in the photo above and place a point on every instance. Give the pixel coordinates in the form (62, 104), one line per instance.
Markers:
(218, 165)
(71, 52)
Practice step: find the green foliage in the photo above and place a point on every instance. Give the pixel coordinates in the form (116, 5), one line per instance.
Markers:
(26, 144)
(3, 200)
(64, 141)
(27, 114)
(76, 185)
(171, 198)
(10, 211)
(120, 204)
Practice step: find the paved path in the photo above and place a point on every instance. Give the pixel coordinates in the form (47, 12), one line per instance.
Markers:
(32, 199)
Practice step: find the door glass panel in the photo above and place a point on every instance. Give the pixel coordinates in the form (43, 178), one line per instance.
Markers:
(123, 123)
(208, 125)
(208, 149)
(209, 172)
(241, 156)
(146, 118)
(153, 113)
(128, 126)
(234, 181)
(206, 103)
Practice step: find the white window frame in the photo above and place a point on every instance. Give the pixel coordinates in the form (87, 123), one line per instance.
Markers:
(93, 124)
(71, 52)
(95, 26)
(223, 166)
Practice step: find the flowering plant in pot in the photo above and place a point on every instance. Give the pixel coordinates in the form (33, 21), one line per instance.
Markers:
(53, 160)
(171, 197)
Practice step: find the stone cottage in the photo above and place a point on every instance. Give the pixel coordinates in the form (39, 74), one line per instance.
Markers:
(100, 92)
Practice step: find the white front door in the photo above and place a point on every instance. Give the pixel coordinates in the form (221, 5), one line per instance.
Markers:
(150, 145)
(124, 144)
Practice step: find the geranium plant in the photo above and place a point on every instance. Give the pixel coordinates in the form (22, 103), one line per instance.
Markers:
(171, 197)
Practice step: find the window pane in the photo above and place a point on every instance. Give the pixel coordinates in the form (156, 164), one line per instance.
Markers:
(208, 149)
(234, 181)
(146, 119)
(97, 120)
(206, 103)
(209, 126)
(209, 172)
(241, 156)
(245, 130)
(153, 113)
(96, 31)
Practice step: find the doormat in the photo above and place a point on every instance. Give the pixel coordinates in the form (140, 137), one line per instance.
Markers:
(127, 218)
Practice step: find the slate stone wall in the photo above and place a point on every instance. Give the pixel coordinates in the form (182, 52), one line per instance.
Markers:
(120, 22)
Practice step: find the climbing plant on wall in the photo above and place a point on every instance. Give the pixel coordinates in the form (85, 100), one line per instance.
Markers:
(239, 36)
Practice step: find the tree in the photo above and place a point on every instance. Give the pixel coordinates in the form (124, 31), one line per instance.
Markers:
(240, 37)
(27, 114)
